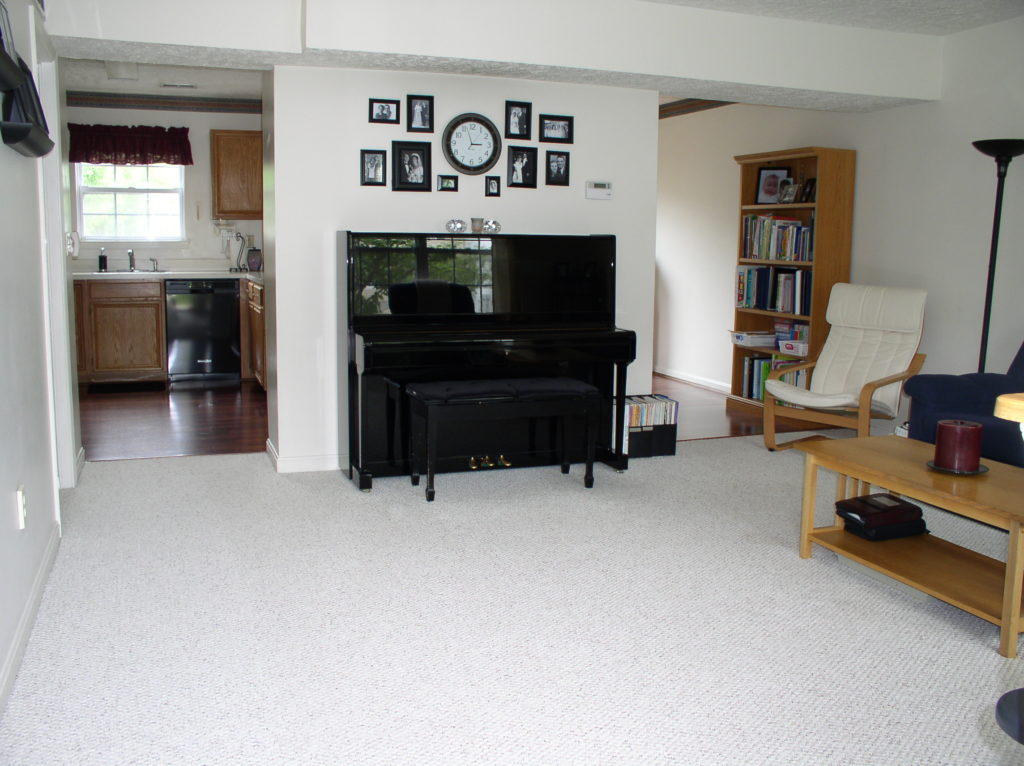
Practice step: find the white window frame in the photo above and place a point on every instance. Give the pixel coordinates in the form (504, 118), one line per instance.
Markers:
(81, 190)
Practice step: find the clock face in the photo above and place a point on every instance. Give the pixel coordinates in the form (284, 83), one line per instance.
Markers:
(471, 144)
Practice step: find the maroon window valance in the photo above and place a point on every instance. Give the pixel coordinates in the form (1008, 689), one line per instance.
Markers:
(124, 145)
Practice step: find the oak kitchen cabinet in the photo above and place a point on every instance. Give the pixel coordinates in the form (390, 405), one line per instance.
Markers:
(236, 157)
(257, 336)
(120, 331)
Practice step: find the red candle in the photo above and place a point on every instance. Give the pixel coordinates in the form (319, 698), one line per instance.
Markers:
(958, 445)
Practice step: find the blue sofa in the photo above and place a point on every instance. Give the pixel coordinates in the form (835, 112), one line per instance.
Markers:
(969, 397)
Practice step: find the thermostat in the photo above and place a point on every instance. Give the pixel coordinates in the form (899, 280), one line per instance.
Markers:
(599, 189)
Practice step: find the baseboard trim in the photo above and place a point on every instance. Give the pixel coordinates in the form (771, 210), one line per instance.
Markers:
(305, 463)
(9, 670)
(712, 385)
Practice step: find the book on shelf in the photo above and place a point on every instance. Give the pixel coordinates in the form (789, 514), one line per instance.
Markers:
(776, 238)
(773, 288)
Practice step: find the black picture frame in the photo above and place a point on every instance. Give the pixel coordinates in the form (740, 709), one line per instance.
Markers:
(522, 167)
(420, 114)
(556, 168)
(768, 190)
(373, 167)
(492, 186)
(385, 110)
(447, 183)
(407, 172)
(518, 119)
(555, 128)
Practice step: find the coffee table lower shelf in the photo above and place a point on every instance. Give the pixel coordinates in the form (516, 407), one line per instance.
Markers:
(964, 578)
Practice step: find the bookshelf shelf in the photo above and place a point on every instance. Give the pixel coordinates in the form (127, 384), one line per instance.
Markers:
(788, 257)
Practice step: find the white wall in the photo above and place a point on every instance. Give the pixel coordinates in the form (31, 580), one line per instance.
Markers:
(26, 443)
(204, 249)
(320, 124)
(922, 213)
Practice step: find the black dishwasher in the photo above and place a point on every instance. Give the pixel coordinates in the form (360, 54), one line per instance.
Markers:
(203, 339)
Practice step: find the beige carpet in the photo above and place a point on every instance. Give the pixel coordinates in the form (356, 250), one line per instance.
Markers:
(209, 611)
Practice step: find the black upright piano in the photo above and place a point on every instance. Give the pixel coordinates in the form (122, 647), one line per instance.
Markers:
(459, 306)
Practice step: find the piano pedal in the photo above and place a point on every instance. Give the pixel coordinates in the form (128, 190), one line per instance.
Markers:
(473, 464)
(486, 462)
(505, 462)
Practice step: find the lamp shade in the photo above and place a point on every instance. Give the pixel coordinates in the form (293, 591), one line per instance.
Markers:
(1010, 407)
(1001, 147)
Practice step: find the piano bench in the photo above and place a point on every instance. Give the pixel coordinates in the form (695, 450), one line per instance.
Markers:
(436, 403)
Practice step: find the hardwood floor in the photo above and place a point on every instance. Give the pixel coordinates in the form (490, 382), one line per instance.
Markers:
(702, 413)
(142, 424)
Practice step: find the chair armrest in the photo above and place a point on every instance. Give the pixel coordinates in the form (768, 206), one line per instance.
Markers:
(778, 373)
(869, 388)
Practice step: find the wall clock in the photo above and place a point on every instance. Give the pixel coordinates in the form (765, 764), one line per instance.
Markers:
(471, 143)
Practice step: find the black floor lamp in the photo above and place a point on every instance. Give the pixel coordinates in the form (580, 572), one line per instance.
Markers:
(1004, 150)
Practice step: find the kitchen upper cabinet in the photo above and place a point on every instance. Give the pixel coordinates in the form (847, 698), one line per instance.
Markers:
(120, 330)
(236, 157)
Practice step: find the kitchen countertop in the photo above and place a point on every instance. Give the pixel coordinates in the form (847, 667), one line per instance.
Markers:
(255, 276)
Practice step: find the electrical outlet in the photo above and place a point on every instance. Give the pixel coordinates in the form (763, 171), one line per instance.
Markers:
(22, 508)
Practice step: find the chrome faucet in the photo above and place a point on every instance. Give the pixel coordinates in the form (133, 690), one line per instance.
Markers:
(131, 260)
(156, 266)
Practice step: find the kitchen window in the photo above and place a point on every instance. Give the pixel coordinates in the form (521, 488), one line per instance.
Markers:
(133, 203)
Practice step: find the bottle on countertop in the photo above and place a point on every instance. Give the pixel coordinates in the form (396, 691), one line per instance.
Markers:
(103, 259)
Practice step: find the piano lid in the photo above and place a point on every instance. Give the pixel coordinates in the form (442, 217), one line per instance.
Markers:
(428, 281)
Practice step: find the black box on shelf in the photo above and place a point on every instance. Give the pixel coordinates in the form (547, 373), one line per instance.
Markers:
(652, 441)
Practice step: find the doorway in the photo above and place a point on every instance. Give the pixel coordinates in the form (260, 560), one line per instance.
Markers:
(121, 424)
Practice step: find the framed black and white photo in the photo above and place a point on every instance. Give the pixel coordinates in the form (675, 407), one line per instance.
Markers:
(373, 168)
(447, 183)
(556, 169)
(769, 181)
(522, 167)
(385, 110)
(555, 128)
(518, 119)
(420, 110)
(788, 191)
(410, 165)
(492, 186)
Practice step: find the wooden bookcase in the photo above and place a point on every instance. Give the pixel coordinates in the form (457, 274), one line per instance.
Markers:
(829, 214)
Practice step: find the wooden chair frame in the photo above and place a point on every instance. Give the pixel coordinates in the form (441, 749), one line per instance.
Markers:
(857, 418)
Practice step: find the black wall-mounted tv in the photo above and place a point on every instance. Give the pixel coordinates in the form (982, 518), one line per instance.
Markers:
(24, 126)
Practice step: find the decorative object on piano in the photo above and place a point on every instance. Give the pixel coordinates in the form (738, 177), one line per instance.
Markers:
(471, 143)
(410, 166)
(557, 169)
(522, 167)
(385, 110)
(555, 128)
(455, 226)
(518, 116)
(421, 114)
(476, 225)
(448, 183)
(958, 448)
(492, 187)
(373, 167)
(490, 226)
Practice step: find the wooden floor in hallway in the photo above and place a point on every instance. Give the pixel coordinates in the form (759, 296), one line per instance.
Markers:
(124, 424)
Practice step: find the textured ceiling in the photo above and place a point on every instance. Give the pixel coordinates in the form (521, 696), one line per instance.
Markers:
(928, 17)
(232, 73)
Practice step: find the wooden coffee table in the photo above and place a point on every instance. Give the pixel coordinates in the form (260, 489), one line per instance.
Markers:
(983, 586)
